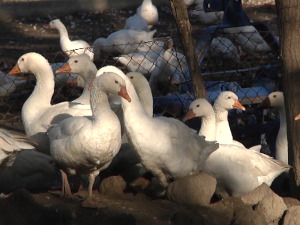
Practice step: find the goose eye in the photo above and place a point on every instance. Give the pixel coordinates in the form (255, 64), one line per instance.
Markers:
(76, 61)
(274, 96)
(197, 105)
(116, 82)
(22, 59)
(131, 77)
(229, 97)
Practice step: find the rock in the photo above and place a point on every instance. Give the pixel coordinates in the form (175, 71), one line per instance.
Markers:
(114, 185)
(246, 216)
(292, 216)
(257, 194)
(272, 207)
(196, 189)
(291, 202)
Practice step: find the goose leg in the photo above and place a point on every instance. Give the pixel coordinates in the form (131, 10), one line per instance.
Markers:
(88, 202)
(66, 190)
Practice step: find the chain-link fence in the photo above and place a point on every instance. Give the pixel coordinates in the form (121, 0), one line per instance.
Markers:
(243, 60)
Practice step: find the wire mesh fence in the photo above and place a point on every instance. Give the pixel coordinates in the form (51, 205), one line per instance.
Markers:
(230, 59)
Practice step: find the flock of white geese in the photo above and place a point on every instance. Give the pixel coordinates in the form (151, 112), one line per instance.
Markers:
(84, 135)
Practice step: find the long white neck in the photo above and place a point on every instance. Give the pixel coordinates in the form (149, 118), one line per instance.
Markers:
(223, 132)
(281, 140)
(146, 99)
(208, 127)
(84, 98)
(100, 107)
(40, 98)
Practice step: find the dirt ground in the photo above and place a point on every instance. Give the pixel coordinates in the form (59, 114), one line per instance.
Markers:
(21, 35)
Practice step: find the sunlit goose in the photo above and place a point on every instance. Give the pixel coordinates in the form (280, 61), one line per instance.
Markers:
(136, 22)
(122, 42)
(37, 111)
(149, 12)
(85, 68)
(71, 48)
(276, 100)
(163, 143)
(206, 18)
(165, 67)
(226, 101)
(248, 38)
(143, 90)
(143, 62)
(11, 143)
(237, 169)
(87, 145)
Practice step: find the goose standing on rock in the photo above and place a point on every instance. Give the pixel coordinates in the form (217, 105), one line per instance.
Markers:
(149, 12)
(166, 146)
(71, 48)
(238, 170)
(276, 100)
(88, 144)
(37, 111)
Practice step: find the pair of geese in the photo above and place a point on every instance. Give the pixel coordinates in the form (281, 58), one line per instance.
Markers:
(85, 141)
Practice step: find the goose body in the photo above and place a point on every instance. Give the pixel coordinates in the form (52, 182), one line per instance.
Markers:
(136, 22)
(276, 100)
(11, 143)
(71, 48)
(238, 170)
(206, 18)
(163, 143)
(149, 12)
(37, 111)
(122, 41)
(87, 145)
(248, 38)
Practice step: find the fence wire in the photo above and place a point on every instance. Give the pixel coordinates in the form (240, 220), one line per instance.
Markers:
(235, 60)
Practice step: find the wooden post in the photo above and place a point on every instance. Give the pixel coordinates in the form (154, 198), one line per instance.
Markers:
(181, 16)
(288, 25)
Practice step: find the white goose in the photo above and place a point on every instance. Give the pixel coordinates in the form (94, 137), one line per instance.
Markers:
(136, 22)
(163, 143)
(237, 169)
(226, 101)
(86, 69)
(276, 100)
(122, 42)
(37, 111)
(87, 145)
(11, 144)
(149, 12)
(71, 48)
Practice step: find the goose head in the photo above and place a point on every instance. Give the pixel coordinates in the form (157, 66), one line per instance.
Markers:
(199, 108)
(228, 100)
(31, 63)
(112, 83)
(138, 80)
(275, 99)
(55, 23)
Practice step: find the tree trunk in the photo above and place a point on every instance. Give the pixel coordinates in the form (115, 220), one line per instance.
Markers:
(181, 16)
(288, 12)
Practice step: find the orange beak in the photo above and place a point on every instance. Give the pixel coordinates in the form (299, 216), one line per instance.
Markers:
(124, 94)
(238, 105)
(65, 69)
(14, 71)
(189, 115)
(297, 117)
